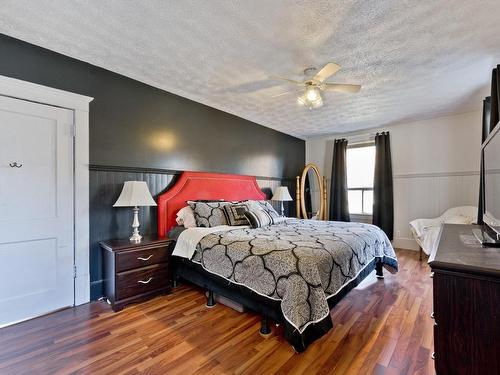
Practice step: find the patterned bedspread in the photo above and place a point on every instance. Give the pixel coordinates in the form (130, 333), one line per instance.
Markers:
(300, 263)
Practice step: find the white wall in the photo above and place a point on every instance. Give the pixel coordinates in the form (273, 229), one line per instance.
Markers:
(435, 166)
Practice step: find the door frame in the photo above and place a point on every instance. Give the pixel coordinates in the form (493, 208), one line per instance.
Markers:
(79, 104)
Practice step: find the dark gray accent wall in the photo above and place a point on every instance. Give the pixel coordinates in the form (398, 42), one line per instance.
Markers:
(144, 133)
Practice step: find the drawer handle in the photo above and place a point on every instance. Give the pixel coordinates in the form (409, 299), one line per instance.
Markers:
(431, 275)
(432, 315)
(145, 282)
(433, 355)
(145, 259)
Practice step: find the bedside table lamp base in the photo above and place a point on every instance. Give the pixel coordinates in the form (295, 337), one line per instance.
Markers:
(136, 237)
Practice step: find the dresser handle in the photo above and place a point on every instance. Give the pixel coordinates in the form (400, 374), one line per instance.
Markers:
(431, 275)
(432, 315)
(433, 355)
(145, 282)
(145, 259)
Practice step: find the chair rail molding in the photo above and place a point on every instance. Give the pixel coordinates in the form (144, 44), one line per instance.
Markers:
(79, 104)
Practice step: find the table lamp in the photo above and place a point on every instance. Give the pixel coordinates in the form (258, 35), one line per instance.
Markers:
(135, 194)
(281, 194)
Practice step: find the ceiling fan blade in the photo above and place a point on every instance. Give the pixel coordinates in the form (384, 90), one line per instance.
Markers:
(287, 80)
(328, 70)
(248, 87)
(286, 93)
(341, 87)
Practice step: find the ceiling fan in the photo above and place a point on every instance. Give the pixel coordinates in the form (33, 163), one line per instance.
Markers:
(315, 83)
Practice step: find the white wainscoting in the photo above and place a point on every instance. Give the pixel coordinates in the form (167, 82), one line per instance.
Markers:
(429, 195)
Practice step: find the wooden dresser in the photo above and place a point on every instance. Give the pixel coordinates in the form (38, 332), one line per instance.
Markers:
(466, 285)
(136, 272)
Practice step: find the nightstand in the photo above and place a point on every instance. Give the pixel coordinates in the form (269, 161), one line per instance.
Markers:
(135, 272)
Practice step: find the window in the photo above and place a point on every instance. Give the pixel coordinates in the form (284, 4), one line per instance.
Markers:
(360, 173)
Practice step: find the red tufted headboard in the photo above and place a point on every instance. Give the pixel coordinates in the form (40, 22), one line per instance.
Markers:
(202, 185)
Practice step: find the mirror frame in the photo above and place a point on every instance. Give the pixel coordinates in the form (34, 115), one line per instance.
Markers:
(322, 196)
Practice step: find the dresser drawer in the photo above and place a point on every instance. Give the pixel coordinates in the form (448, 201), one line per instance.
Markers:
(143, 280)
(141, 258)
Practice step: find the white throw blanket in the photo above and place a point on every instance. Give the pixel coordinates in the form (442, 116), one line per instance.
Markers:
(426, 231)
(189, 239)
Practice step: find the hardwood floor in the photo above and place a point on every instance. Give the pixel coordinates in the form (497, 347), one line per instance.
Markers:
(381, 327)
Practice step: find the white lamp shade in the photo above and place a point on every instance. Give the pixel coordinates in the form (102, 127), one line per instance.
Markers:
(135, 194)
(281, 194)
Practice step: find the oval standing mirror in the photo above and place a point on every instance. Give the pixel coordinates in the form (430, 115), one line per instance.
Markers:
(311, 193)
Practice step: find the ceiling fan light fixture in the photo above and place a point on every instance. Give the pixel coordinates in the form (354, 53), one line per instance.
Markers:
(312, 94)
(310, 104)
(315, 82)
(317, 103)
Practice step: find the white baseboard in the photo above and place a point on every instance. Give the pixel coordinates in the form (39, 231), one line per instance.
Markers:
(405, 243)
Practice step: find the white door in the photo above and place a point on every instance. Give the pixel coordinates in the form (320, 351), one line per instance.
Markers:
(36, 209)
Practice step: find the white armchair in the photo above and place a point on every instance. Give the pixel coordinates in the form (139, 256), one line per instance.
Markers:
(426, 231)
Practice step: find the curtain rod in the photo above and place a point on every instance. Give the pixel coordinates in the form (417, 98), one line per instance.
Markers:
(362, 138)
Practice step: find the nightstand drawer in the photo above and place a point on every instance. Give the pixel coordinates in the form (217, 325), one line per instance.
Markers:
(141, 258)
(143, 280)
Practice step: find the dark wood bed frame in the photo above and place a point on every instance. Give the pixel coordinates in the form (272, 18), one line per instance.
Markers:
(214, 186)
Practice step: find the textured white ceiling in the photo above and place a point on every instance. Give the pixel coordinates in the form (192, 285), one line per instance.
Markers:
(415, 59)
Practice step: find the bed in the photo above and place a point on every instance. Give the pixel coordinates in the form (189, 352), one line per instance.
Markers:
(291, 272)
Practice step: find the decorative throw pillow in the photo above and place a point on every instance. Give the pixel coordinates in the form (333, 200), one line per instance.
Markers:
(235, 214)
(185, 217)
(258, 218)
(209, 214)
(266, 206)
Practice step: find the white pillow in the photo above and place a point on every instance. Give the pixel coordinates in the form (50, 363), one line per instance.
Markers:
(457, 220)
(185, 217)
(469, 212)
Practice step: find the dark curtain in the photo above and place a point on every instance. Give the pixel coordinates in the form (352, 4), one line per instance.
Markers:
(485, 133)
(495, 82)
(383, 200)
(486, 118)
(339, 206)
